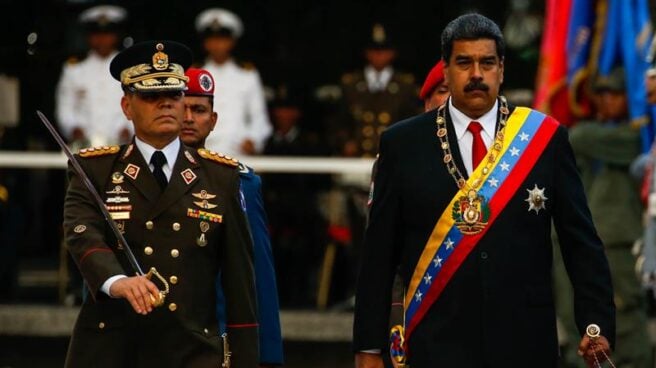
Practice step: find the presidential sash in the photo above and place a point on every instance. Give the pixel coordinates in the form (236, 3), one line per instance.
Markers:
(527, 133)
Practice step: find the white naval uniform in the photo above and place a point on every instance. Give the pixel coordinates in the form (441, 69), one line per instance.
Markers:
(239, 102)
(89, 98)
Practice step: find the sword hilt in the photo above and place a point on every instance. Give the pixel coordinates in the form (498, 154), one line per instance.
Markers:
(159, 300)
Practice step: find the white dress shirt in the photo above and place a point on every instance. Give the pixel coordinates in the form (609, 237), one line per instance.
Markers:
(465, 138)
(377, 80)
(239, 102)
(170, 151)
(89, 98)
(146, 150)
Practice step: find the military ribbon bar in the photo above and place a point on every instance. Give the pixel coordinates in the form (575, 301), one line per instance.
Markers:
(203, 215)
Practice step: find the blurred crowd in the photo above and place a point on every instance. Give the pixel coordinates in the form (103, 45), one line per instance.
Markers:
(316, 221)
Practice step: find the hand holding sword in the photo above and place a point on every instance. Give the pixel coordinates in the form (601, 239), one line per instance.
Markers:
(139, 290)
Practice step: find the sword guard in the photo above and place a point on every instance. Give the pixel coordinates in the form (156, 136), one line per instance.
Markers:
(159, 300)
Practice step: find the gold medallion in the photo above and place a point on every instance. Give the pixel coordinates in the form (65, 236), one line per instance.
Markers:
(471, 213)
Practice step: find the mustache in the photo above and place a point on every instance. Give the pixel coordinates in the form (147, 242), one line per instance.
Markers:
(476, 85)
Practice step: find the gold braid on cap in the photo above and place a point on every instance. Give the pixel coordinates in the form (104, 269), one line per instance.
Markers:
(140, 73)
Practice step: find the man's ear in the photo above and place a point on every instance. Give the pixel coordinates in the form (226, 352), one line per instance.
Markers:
(125, 106)
(501, 69)
(215, 117)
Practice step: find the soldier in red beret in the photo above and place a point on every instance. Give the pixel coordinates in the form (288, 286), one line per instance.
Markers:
(435, 90)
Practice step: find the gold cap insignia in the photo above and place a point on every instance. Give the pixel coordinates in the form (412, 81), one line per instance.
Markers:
(378, 33)
(160, 59)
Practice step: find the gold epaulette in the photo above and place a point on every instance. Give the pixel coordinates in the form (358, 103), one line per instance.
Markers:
(406, 78)
(348, 78)
(72, 60)
(247, 65)
(217, 157)
(99, 151)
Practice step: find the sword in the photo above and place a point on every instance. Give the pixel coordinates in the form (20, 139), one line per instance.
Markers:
(119, 236)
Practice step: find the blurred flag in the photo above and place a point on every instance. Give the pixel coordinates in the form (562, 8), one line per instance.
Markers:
(551, 93)
(585, 37)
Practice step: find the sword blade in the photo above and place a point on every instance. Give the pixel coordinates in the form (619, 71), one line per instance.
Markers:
(87, 183)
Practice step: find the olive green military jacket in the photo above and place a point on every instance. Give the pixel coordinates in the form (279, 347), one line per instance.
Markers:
(604, 154)
(367, 114)
(190, 232)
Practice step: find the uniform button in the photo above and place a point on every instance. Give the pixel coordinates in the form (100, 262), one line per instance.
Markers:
(101, 325)
(206, 331)
(175, 253)
(176, 226)
(483, 255)
(173, 307)
(148, 251)
(384, 117)
(149, 225)
(173, 279)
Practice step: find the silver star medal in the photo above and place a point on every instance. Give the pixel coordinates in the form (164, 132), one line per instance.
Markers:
(536, 199)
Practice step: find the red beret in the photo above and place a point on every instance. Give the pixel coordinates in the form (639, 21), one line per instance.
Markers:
(200, 82)
(433, 79)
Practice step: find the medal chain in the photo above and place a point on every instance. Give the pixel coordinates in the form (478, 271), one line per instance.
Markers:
(491, 157)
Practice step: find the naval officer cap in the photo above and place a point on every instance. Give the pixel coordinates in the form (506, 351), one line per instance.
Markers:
(152, 66)
(219, 22)
(103, 18)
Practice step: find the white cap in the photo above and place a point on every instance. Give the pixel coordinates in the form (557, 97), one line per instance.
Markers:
(215, 19)
(103, 14)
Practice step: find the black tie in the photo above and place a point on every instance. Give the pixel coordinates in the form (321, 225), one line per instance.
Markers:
(158, 160)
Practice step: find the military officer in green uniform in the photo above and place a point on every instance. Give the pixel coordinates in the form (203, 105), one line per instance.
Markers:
(604, 150)
(181, 212)
(375, 97)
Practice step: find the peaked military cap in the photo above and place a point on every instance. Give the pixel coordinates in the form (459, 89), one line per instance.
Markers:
(152, 66)
(103, 18)
(218, 21)
(379, 39)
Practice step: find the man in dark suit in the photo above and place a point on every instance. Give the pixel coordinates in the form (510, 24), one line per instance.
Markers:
(180, 210)
(463, 201)
(199, 120)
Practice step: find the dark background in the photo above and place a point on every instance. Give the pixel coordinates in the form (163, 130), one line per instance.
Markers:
(306, 42)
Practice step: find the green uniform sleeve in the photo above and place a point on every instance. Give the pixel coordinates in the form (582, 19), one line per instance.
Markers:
(618, 145)
(85, 234)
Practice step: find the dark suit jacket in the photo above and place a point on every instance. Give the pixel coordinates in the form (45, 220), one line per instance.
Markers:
(183, 332)
(497, 310)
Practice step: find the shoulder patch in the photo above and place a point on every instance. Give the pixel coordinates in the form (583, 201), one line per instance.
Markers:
(217, 157)
(99, 151)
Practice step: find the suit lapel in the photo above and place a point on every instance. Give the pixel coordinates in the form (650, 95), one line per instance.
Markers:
(455, 147)
(135, 168)
(184, 176)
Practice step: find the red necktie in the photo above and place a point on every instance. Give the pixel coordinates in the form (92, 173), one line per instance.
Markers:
(478, 146)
